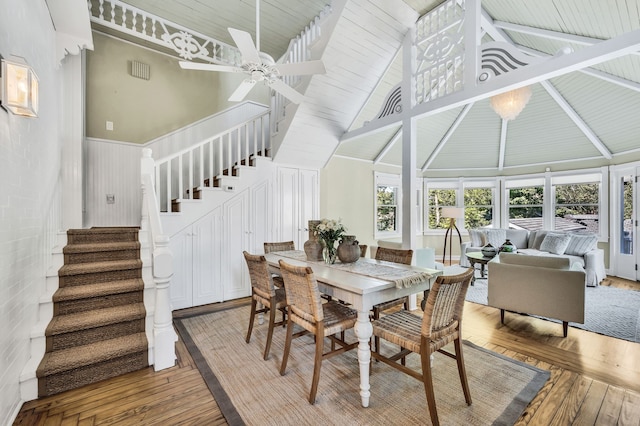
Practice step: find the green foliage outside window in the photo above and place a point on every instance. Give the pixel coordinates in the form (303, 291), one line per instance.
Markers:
(439, 198)
(478, 207)
(387, 208)
(577, 199)
(525, 202)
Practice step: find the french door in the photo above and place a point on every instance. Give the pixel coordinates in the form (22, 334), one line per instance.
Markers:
(625, 209)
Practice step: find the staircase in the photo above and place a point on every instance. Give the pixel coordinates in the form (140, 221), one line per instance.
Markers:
(98, 325)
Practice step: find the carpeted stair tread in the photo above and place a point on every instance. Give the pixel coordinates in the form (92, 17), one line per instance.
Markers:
(97, 267)
(68, 359)
(97, 290)
(96, 318)
(96, 247)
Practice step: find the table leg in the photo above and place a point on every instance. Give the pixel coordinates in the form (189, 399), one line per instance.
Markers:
(364, 330)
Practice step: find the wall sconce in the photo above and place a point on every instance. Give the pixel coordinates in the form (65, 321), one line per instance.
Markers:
(19, 88)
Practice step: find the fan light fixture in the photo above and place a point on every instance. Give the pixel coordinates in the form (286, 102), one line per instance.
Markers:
(19, 88)
(509, 104)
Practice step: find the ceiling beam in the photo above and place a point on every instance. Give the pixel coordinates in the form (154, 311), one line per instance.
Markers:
(503, 143)
(553, 67)
(573, 115)
(610, 78)
(555, 95)
(447, 136)
(549, 34)
(388, 146)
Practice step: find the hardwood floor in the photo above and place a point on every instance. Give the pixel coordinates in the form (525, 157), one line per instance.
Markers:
(594, 379)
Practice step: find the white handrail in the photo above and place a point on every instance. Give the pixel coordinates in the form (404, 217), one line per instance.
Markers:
(164, 336)
(298, 51)
(225, 151)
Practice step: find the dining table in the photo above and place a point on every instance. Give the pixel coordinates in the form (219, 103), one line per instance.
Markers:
(362, 284)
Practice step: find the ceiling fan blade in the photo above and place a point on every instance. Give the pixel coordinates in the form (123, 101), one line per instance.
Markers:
(187, 65)
(301, 68)
(287, 91)
(245, 44)
(242, 90)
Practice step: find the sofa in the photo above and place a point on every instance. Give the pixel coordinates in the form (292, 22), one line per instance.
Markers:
(551, 287)
(578, 247)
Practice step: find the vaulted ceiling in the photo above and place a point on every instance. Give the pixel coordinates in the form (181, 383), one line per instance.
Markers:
(585, 118)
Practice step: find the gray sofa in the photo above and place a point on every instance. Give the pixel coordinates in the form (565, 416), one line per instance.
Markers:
(579, 248)
(551, 287)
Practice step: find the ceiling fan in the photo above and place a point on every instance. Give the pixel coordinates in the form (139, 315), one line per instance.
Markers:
(260, 66)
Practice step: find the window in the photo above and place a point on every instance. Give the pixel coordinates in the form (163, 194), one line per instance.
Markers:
(388, 202)
(387, 211)
(626, 213)
(478, 207)
(525, 206)
(438, 198)
(577, 206)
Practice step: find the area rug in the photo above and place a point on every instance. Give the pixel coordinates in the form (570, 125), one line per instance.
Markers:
(610, 311)
(251, 390)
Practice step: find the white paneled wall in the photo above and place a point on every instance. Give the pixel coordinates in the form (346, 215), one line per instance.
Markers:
(29, 169)
(112, 169)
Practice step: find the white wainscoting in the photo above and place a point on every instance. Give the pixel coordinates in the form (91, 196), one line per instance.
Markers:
(112, 168)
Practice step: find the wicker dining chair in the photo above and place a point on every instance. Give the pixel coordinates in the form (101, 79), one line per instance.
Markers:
(305, 308)
(440, 325)
(397, 256)
(279, 246)
(264, 291)
(363, 250)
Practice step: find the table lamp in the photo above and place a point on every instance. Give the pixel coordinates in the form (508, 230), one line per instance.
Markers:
(452, 213)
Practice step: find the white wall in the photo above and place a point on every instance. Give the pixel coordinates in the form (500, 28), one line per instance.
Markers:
(30, 152)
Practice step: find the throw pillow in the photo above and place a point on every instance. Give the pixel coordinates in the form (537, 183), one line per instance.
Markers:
(496, 237)
(555, 243)
(477, 238)
(539, 239)
(581, 244)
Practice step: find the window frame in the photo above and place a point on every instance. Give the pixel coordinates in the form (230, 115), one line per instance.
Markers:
(390, 180)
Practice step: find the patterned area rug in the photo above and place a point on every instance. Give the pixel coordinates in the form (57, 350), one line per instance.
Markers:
(250, 390)
(611, 311)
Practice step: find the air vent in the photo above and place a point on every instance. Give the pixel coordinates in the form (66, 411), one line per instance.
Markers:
(140, 70)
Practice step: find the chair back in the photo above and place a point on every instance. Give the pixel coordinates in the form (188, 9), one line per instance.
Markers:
(261, 279)
(363, 250)
(445, 303)
(279, 246)
(394, 255)
(301, 289)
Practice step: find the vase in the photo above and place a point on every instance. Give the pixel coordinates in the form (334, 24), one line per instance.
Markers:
(313, 247)
(508, 247)
(489, 251)
(329, 255)
(348, 249)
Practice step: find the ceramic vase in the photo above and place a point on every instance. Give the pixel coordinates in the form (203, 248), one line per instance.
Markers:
(313, 247)
(348, 249)
(508, 247)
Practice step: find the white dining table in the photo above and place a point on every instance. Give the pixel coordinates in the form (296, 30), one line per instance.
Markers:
(362, 292)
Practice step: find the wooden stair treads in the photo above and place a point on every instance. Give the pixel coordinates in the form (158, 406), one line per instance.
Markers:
(98, 325)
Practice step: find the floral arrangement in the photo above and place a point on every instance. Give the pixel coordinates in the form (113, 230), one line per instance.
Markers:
(329, 232)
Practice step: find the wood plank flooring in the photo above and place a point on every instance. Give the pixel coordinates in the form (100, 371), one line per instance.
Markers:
(594, 379)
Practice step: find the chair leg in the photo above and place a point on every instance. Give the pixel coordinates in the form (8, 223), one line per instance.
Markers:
(462, 371)
(287, 346)
(272, 320)
(427, 379)
(317, 364)
(501, 316)
(251, 318)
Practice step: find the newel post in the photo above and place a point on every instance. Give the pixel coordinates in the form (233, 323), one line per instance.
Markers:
(164, 334)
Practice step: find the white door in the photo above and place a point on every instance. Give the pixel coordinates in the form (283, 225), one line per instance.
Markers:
(260, 218)
(309, 201)
(207, 250)
(289, 228)
(624, 247)
(181, 289)
(235, 279)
